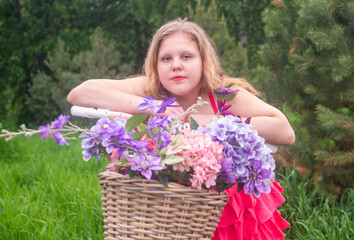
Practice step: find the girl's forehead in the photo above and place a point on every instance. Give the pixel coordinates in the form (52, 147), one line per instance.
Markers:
(176, 40)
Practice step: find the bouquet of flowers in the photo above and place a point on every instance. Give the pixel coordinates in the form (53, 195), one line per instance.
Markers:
(161, 147)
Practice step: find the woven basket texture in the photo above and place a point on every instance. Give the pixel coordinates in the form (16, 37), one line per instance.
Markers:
(147, 210)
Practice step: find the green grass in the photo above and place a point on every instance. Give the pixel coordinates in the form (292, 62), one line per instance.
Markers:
(49, 192)
(313, 216)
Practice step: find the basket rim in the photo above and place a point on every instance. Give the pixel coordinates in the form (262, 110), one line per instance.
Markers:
(172, 186)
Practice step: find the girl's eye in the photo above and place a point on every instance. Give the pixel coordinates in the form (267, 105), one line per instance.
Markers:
(187, 56)
(165, 58)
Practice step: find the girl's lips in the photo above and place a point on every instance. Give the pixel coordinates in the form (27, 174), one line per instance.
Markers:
(177, 78)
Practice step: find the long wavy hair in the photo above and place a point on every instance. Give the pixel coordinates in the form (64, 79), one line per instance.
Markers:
(213, 76)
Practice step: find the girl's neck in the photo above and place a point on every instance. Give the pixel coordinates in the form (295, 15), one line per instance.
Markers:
(187, 101)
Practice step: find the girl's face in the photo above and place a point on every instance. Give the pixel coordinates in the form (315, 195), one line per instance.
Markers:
(179, 66)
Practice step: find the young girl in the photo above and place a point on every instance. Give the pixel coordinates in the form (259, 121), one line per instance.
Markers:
(182, 63)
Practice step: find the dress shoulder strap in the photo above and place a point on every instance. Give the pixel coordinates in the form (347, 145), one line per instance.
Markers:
(212, 102)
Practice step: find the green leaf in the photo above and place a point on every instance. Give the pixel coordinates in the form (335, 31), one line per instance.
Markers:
(230, 96)
(194, 124)
(154, 131)
(134, 121)
(220, 96)
(172, 159)
(138, 135)
(162, 179)
(240, 187)
(132, 174)
(162, 152)
(175, 141)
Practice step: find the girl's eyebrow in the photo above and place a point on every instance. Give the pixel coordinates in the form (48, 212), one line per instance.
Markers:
(182, 52)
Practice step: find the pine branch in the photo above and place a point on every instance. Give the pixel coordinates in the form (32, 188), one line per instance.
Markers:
(333, 121)
(335, 158)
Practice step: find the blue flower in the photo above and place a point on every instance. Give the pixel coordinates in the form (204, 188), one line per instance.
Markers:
(154, 105)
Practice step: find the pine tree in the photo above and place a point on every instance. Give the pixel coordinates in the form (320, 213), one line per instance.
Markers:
(49, 91)
(309, 54)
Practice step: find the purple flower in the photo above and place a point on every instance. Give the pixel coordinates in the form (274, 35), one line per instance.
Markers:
(258, 181)
(226, 171)
(248, 120)
(158, 121)
(223, 109)
(90, 144)
(60, 138)
(105, 128)
(219, 133)
(49, 130)
(89, 141)
(109, 135)
(91, 152)
(145, 164)
(44, 131)
(52, 130)
(60, 121)
(226, 90)
(154, 105)
(248, 158)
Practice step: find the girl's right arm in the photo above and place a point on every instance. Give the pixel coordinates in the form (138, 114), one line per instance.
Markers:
(115, 95)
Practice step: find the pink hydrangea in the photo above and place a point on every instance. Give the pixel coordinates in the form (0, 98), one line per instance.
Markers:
(199, 153)
(114, 157)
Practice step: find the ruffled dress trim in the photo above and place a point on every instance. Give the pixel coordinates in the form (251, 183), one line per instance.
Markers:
(248, 217)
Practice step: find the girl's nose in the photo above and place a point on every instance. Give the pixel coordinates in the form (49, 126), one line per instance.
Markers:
(176, 65)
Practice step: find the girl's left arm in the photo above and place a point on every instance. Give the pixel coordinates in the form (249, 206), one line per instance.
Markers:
(266, 119)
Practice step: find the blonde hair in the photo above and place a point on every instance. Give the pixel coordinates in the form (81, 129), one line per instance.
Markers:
(213, 76)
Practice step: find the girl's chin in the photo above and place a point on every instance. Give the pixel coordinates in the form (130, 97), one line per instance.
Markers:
(183, 92)
(179, 94)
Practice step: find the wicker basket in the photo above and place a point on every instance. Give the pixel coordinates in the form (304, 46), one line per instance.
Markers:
(145, 209)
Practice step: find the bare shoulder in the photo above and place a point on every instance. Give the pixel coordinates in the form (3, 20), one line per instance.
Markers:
(247, 104)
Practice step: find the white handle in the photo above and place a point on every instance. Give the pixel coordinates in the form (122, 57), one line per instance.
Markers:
(96, 113)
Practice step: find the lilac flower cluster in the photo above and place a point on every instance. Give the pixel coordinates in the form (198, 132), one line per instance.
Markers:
(247, 159)
(161, 125)
(53, 130)
(108, 134)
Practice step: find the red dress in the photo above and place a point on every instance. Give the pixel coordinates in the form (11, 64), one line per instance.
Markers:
(248, 217)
